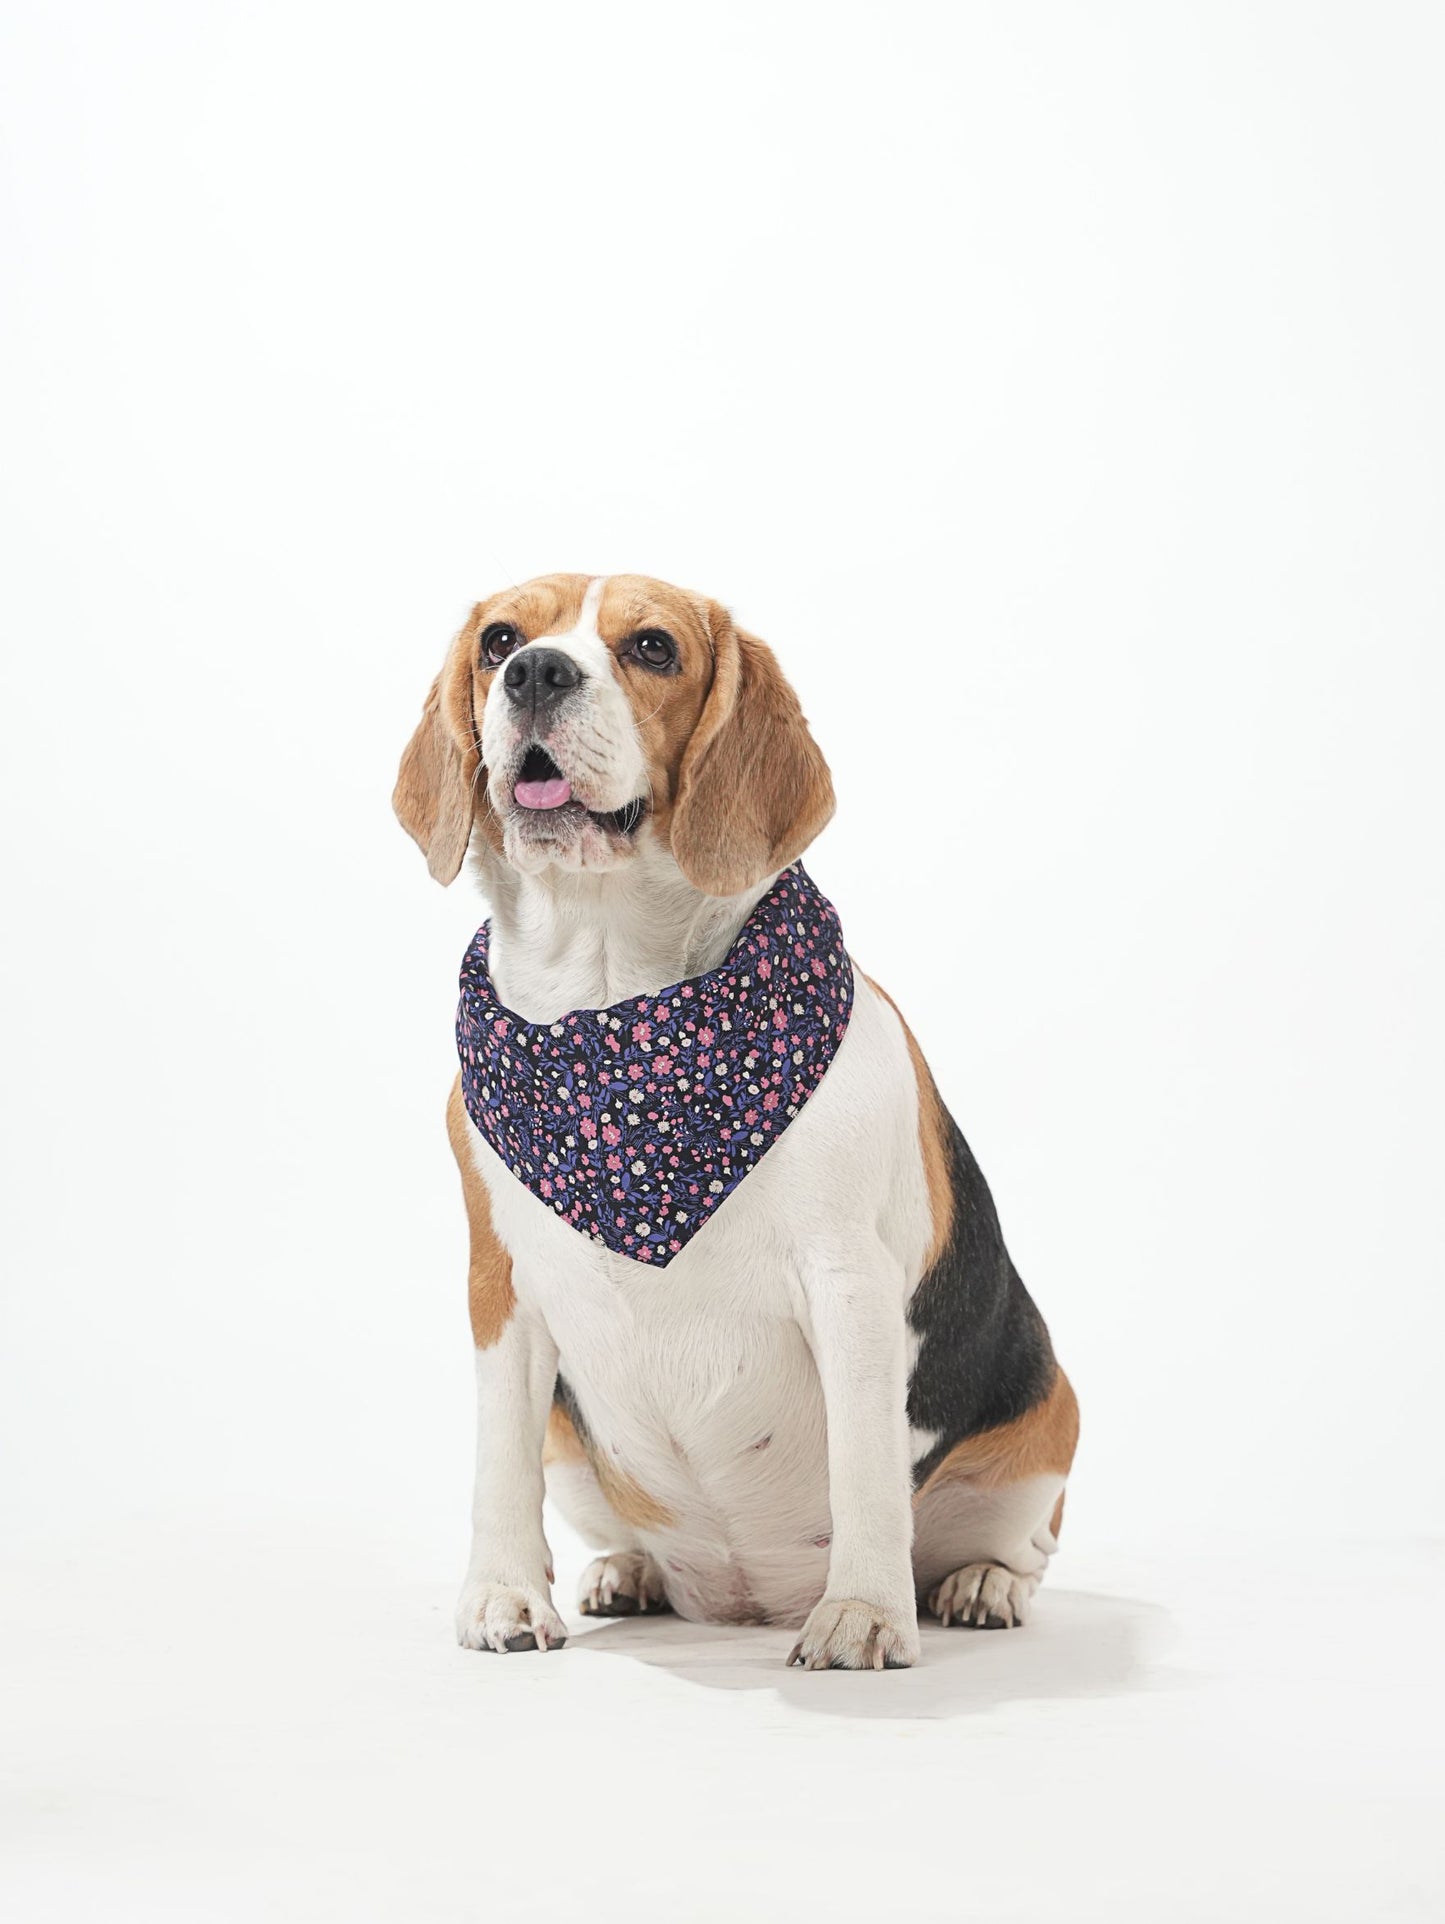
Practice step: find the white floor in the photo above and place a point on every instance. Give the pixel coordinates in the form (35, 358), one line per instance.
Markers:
(279, 1726)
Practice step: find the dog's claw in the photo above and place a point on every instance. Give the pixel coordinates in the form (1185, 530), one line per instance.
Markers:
(625, 1584)
(849, 1634)
(505, 1618)
(983, 1596)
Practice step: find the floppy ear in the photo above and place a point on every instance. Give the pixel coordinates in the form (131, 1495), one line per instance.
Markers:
(753, 789)
(436, 787)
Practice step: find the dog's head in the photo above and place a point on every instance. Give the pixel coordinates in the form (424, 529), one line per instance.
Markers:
(572, 718)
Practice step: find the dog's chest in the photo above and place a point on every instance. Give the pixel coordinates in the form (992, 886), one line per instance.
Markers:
(697, 1385)
(696, 1382)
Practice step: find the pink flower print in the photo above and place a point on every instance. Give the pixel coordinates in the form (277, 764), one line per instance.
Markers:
(700, 1041)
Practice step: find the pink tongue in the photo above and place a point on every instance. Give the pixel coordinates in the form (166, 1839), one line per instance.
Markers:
(544, 794)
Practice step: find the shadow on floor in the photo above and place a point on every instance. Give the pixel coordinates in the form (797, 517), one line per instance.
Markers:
(1079, 1644)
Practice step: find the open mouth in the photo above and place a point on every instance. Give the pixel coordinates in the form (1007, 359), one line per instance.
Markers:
(540, 782)
(542, 788)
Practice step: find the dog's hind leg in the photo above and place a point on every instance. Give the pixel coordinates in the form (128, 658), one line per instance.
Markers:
(986, 1521)
(624, 1581)
(979, 1554)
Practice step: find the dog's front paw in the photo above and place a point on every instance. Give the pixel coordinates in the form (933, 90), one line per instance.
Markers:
(498, 1616)
(626, 1584)
(843, 1634)
(983, 1596)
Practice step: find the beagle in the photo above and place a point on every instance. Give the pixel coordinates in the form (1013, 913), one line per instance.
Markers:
(739, 1298)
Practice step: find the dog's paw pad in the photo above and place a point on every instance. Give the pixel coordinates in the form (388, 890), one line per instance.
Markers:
(983, 1596)
(498, 1616)
(846, 1634)
(626, 1584)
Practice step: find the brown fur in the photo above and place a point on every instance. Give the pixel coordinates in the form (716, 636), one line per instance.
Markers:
(753, 789)
(490, 1296)
(932, 1139)
(1038, 1443)
(628, 1498)
(665, 708)
(738, 785)
(624, 1494)
(562, 1444)
(441, 775)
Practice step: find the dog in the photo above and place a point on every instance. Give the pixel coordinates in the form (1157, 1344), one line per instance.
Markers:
(770, 1360)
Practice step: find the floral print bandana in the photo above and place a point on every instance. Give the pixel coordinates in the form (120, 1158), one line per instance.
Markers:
(636, 1123)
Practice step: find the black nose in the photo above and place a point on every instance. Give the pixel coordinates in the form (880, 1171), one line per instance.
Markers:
(539, 677)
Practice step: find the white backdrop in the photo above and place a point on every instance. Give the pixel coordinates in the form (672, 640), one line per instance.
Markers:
(1058, 389)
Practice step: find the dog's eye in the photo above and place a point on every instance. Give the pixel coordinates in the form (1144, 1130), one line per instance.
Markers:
(655, 648)
(499, 639)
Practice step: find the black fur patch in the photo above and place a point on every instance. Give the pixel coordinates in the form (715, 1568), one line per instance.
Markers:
(985, 1357)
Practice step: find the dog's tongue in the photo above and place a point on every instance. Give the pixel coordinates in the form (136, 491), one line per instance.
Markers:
(550, 794)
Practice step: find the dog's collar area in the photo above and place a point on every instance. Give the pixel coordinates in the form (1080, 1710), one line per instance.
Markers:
(635, 1123)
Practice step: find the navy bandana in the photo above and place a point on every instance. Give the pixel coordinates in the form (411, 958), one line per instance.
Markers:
(636, 1122)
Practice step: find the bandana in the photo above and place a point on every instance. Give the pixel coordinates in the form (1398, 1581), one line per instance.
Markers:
(636, 1123)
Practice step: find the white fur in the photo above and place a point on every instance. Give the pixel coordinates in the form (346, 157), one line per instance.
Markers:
(566, 939)
(962, 1524)
(507, 1588)
(755, 1388)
